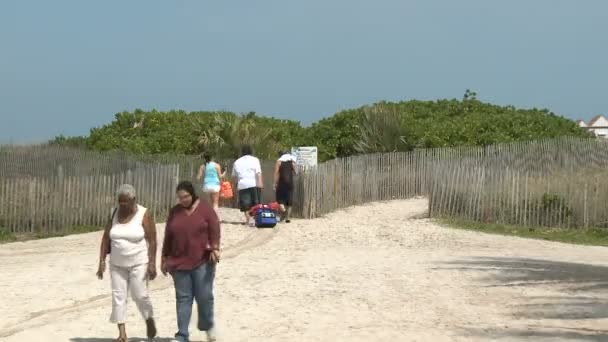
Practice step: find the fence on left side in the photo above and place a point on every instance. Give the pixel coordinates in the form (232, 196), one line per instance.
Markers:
(47, 190)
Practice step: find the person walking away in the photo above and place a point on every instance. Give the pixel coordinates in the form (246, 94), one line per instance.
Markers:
(211, 174)
(190, 252)
(248, 172)
(284, 171)
(130, 240)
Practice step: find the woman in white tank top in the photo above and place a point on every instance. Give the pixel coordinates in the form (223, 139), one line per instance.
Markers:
(130, 240)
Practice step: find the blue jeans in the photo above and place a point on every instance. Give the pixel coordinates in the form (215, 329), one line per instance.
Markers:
(196, 284)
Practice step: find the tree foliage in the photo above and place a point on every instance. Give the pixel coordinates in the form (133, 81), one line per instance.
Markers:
(381, 127)
(178, 132)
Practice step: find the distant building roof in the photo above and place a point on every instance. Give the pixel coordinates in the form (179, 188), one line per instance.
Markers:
(595, 119)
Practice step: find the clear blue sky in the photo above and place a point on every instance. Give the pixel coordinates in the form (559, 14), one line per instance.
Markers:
(66, 66)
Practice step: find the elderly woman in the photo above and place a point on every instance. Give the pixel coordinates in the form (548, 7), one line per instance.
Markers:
(190, 252)
(130, 240)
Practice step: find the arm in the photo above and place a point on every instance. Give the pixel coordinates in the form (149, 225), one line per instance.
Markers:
(166, 250)
(235, 178)
(167, 241)
(219, 171)
(258, 175)
(104, 249)
(277, 165)
(150, 235)
(234, 174)
(214, 234)
(294, 168)
(214, 230)
(199, 176)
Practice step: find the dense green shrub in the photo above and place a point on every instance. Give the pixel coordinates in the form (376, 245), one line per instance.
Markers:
(381, 127)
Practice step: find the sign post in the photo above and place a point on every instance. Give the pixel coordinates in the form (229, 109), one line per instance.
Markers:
(306, 156)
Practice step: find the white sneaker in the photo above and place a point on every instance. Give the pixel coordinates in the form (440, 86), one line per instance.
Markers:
(211, 335)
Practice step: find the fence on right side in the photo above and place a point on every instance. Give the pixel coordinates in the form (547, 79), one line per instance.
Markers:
(559, 182)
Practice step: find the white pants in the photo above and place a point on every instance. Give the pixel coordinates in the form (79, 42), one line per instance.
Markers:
(125, 280)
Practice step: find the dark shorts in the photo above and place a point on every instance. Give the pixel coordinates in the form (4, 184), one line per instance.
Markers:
(284, 194)
(249, 198)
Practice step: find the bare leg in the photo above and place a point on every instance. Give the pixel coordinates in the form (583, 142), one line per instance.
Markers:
(215, 202)
(151, 328)
(288, 215)
(122, 333)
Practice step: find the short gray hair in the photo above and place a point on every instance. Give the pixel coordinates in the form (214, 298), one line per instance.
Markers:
(126, 190)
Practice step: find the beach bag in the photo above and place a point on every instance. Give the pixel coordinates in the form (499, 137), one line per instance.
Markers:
(254, 209)
(226, 190)
(274, 206)
(265, 217)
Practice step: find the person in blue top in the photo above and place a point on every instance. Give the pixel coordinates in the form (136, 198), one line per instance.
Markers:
(211, 174)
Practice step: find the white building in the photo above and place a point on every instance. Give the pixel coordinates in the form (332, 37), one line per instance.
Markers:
(598, 126)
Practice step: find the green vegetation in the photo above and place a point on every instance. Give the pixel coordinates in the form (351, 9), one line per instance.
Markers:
(381, 127)
(6, 236)
(73, 230)
(591, 236)
(178, 132)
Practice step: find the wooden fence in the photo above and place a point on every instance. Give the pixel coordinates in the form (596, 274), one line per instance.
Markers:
(49, 189)
(557, 183)
(560, 182)
(50, 204)
(509, 196)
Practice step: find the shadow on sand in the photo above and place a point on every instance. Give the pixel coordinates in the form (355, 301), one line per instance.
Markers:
(237, 223)
(131, 339)
(583, 288)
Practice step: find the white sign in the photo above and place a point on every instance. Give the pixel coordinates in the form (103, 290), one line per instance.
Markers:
(306, 156)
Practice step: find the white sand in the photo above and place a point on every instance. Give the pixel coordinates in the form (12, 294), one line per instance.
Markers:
(372, 273)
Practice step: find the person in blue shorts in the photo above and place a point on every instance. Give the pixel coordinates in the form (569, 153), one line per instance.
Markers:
(211, 175)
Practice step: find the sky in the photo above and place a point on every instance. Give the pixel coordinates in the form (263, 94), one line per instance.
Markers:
(69, 65)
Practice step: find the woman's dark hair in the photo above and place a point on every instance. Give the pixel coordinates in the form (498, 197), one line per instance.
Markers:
(246, 150)
(207, 157)
(189, 188)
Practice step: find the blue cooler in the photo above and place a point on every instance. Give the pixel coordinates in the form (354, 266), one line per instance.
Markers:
(265, 218)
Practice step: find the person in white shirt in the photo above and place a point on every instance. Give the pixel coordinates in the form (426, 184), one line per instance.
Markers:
(130, 240)
(248, 172)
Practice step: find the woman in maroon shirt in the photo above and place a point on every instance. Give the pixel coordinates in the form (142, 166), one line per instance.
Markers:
(191, 250)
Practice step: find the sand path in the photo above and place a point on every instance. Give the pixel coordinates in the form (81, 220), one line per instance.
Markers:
(370, 273)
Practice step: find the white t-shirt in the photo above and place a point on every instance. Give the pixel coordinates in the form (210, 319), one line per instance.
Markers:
(246, 168)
